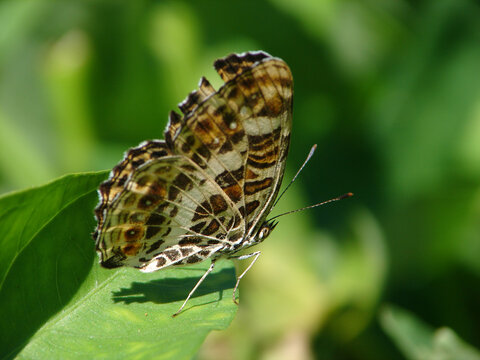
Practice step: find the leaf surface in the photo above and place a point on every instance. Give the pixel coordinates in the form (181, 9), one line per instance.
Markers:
(57, 302)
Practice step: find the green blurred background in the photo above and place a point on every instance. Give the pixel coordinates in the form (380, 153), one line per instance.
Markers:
(388, 89)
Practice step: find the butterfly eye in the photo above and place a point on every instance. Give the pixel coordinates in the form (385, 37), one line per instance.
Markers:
(263, 233)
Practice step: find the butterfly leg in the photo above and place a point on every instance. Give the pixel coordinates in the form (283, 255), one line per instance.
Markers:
(243, 257)
(195, 288)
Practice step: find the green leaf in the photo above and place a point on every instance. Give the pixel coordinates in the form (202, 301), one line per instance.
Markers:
(419, 341)
(57, 302)
(24, 214)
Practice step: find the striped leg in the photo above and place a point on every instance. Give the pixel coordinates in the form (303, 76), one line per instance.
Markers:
(243, 257)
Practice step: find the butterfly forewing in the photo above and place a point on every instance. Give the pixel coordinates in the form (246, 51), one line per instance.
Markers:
(268, 133)
(211, 183)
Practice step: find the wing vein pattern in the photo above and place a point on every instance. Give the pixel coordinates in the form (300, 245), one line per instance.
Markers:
(205, 190)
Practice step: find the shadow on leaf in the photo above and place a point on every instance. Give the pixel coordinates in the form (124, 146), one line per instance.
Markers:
(168, 290)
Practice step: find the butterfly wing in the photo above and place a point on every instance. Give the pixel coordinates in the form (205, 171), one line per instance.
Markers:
(211, 181)
(262, 93)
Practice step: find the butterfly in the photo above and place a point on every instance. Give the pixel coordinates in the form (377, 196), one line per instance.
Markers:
(205, 191)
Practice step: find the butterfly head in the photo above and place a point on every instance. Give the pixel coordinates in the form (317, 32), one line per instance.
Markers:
(265, 230)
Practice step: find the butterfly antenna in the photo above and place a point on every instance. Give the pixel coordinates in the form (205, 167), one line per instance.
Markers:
(310, 154)
(341, 197)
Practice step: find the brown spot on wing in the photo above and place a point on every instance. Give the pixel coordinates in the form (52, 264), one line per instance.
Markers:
(186, 251)
(211, 228)
(234, 64)
(148, 202)
(161, 261)
(273, 107)
(226, 147)
(137, 218)
(230, 177)
(189, 241)
(204, 253)
(234, 192)
(152, 231)
(198, 227)
(260, 164)
(131, 249)
(264, 141)
(251, 206)
(133, 234)
(172, 254)
(158, 188)
(218, 204)
(173, 192)
(156, 219)
(130, 200)
(265, 156)
(238, 136)
(155, 246)
(203, 210)
(174, 212)
(253, 187)
(183, 182)
(193, 259)
(250, 175)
